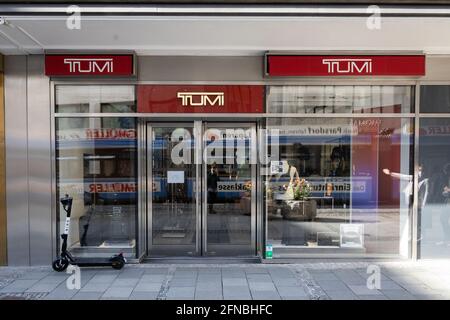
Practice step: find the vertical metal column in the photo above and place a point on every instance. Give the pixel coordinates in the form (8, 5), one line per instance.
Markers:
(414, 229)
(16, 129)
(198, 136)
(3, 255)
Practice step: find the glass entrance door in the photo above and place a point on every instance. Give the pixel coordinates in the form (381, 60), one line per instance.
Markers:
(172, 194)
(229, 189)
(201, 195)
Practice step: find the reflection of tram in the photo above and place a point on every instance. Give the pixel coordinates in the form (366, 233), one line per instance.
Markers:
(311, 154)
(105, 199)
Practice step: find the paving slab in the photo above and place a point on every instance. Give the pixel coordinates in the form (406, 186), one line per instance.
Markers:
(341, 295)
(329, 276)
(45, 286)
(103, 278)
(208, 295)
(18, 286)
(291, 291)
(363, 290)
(373, 297)
(398, 295)
(87, 296)
(183, 282)
(95, 287)
(181, 292)
(118, 292)
(153, 277)
(265, 295)
(133, 273)
(332, 285)
(234, 282)
(262, 286)
(237, 293)
(34, 275)
(61, 293)
(147, 286)
(125, 282)
(147, 295)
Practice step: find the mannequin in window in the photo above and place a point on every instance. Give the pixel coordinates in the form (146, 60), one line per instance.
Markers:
(286, 191)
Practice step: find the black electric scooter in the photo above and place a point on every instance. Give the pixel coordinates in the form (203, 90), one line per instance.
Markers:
(65, 258)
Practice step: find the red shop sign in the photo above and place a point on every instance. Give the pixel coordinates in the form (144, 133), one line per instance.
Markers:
(363, 65)
(89, 65)
(200, 99)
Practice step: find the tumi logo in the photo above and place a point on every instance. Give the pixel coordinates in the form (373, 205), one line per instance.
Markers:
(90, 65)
(201, 99)
(348, 66)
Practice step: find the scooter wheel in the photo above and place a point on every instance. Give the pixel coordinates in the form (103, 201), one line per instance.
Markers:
(60, 264)
(118, 264)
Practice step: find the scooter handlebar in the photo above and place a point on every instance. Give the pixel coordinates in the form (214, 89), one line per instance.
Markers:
(67, 203)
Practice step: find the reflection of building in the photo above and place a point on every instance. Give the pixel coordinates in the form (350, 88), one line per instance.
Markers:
(134, 145)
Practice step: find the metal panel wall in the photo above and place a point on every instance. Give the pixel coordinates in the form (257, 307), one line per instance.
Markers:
(3, 255)
(198, 68)
(17, 160)
(28, 161)
(437, 68)
(39, 162)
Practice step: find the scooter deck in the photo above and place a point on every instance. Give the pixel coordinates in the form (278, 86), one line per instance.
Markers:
(92, 262)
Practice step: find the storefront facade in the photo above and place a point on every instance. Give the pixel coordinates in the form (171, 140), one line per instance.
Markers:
(274, 155)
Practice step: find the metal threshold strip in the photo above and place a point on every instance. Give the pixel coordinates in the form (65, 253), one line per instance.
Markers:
(227, 10)
(201, 260)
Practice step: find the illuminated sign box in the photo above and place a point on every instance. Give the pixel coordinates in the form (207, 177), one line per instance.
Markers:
(344, 65)
(79, 65)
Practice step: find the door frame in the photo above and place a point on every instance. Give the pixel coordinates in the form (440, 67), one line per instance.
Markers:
(199, 128)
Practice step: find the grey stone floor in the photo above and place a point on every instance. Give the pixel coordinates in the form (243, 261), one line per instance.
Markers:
(299, 281)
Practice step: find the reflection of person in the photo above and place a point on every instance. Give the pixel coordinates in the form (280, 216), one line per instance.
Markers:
(408, 190)
(303, 154)
(212, 180)
(444, 189)
(337, 158)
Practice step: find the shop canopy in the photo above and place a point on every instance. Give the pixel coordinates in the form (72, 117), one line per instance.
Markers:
(207, 29)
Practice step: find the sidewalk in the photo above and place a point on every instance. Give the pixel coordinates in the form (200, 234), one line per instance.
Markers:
(302, 281)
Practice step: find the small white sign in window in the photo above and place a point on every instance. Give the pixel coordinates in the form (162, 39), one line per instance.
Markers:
(175, 176)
